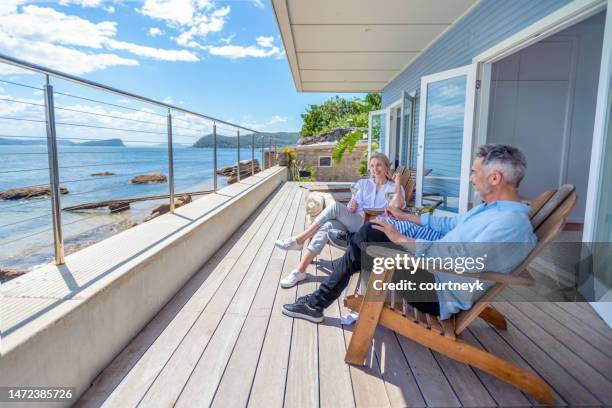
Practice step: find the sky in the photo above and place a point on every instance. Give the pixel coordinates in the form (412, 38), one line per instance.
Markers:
(220, 58)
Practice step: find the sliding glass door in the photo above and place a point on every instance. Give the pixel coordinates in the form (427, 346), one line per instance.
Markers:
(445, 139)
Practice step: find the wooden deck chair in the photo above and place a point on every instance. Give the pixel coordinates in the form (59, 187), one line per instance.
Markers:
(549, 215)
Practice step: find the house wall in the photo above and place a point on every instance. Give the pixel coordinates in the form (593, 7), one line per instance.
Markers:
(488, 23)
(347, 170)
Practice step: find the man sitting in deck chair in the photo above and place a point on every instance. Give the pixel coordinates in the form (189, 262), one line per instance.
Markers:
(496, 173)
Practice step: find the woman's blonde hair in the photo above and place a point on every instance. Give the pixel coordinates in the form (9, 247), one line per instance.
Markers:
(383, 158)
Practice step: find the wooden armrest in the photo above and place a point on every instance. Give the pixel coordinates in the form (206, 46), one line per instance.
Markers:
(374, 211)
(376, 251)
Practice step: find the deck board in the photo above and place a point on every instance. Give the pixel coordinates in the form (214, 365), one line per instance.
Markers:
(223, 341)
(334, 375)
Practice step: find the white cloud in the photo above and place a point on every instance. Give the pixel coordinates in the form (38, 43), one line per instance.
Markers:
(238, 51)
(265, 41)
(9, 6)
(168, 100)
(193, 19)
(48, 37)
(82, 3)
(228, 39)
(57, 56)
(258, 4)
(173, 11)
(154, 32)
(277, 119)
(150, 52)
(92, 4)
(47, 25)
(265, 125)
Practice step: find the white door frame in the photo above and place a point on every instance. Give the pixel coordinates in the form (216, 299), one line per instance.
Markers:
(409, 139)
(573, 13)
(468, 126)
(391, 108)
(599, 131)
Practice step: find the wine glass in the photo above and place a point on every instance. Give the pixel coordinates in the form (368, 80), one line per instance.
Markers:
(390, 196)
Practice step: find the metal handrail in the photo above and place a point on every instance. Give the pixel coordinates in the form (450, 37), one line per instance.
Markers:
(72, 78)
(52, 146)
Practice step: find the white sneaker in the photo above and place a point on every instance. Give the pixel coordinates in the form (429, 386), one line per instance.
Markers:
(292, 279)
(289, 244)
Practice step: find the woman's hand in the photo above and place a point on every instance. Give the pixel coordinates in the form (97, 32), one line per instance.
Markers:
(398, 200)
(352, 205)
(396, 178)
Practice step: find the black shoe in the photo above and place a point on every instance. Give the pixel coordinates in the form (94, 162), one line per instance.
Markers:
(302, 310)
(338, 238)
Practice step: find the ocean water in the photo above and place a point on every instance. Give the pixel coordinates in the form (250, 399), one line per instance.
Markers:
(26, 237)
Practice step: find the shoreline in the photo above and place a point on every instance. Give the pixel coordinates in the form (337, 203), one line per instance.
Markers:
(28, 260)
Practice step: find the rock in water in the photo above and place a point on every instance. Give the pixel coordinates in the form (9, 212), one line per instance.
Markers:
(104, 173)
(164, 208)
(28, 192)
(119, 206)
(9, 273)
(149, 178)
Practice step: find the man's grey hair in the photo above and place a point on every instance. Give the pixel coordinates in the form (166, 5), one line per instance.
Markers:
(508, 160)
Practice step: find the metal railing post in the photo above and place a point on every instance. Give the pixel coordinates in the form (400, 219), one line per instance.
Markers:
(263, 153)
(170, 162)
(215, 186)
(252, 154)
(270, 153)
(238, 151)
(58, 237)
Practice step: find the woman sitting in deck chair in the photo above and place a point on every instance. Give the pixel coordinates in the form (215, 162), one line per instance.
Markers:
(371, 193)
(502, 218)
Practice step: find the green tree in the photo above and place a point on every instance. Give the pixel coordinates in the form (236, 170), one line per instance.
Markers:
(339, 112)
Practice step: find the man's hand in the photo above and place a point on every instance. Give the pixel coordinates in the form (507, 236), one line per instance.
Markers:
(393, 234)
(393, 212)
(398, 214)
(390, 231)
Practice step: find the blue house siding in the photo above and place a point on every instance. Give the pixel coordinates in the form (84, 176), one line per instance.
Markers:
(488, 23)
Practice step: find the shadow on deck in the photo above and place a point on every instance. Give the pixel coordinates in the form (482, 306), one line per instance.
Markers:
(223, 341)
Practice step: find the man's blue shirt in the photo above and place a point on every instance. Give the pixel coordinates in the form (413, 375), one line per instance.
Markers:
(501, 230)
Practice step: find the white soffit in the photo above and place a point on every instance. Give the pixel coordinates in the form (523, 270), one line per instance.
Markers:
(359, 45)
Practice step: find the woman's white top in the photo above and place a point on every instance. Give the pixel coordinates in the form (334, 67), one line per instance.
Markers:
(367, 197)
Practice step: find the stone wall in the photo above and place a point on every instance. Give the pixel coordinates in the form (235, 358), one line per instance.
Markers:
(347, 170)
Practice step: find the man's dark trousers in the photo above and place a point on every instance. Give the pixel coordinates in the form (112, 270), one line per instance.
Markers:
(331, 288)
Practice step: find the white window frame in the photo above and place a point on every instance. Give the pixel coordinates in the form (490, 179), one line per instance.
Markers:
(468, 126)
(387, 112)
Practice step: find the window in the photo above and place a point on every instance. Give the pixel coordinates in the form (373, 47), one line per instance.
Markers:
(325, 161)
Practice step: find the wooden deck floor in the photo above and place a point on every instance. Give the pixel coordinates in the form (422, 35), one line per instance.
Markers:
(223, 341)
